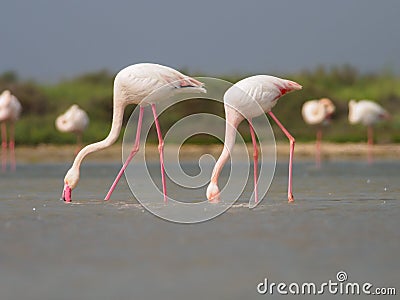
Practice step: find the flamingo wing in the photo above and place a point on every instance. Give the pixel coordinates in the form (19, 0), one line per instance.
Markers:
(313, 112)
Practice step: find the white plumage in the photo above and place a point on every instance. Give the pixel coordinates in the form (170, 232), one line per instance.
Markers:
(366, 112)
(10, 108)
(143, 84)
(147, 83)
(74, 120)
(263, 90)
(317, 111)
(249, 98)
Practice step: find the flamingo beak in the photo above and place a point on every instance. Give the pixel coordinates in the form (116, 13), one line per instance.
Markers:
(66, 194)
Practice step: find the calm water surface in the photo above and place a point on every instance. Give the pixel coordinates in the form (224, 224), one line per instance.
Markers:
(346, 217)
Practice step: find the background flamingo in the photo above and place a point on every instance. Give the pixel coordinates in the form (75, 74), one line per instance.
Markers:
(318, 112)
(74, 120)
(10, 109)
(143, 84)
(247, 99)
(367, 113)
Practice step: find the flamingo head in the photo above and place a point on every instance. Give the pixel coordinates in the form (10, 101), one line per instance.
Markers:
(70, 182)
(213, 194)
(328, 108)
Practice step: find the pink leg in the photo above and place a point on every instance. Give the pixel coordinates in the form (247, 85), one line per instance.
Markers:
(135, 149)
(318, 148)
(255, 159)
(292, 142)
(370, 143)
(12, 148)
(3, 146)
(161, 150)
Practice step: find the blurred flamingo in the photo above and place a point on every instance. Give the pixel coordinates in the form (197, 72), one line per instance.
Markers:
(143, 84)
(247, 99)
(10, 109)
(368, 113)
(74, 120)
(318, 112)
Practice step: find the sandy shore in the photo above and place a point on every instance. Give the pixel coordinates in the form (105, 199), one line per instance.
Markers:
(65, 153)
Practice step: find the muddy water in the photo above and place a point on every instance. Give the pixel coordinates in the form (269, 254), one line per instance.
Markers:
(346, 217)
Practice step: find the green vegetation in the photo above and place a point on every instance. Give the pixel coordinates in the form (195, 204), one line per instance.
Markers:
(42, 103)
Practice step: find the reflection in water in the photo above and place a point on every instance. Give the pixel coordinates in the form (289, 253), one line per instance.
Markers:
(345, 218)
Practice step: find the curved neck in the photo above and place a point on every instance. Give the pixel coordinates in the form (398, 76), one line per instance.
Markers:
(118, 112)
(233, 119)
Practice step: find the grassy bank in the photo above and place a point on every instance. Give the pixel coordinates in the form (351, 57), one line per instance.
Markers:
(42, 103)
(331, 151)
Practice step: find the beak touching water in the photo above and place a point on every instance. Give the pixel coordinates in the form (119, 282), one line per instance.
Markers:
(66, 194)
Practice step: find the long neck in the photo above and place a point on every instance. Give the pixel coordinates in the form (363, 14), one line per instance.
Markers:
(118, 111)
(233, 119)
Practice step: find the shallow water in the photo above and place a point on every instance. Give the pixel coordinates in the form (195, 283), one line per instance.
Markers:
(346, 217)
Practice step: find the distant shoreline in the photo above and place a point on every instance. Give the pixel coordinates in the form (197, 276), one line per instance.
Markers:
(65, 153)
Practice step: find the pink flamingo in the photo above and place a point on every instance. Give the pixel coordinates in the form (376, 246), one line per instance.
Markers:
(367, 113)
(74, 120)
(318, 112)
(10, 109)
(143, 84)
(247, 99)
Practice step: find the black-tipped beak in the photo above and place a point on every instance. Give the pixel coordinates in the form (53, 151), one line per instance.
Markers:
(66, 194)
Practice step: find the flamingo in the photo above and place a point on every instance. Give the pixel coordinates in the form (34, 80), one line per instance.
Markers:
(368, 113)
(143, 84)
(318, 112)
(74, 120)
(247, 99)
(10, 109)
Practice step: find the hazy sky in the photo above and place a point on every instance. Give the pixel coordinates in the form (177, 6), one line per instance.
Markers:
(53, 39)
